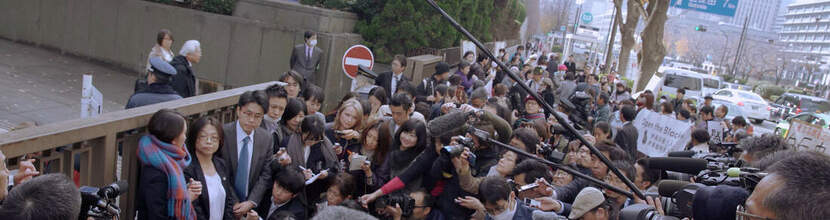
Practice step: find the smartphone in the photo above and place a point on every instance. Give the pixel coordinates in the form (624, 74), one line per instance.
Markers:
(528, 186)
(532, 203)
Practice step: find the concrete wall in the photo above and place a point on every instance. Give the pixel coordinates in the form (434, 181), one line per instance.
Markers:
(236, 51)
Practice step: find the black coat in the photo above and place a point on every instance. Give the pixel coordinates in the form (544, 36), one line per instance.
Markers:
(202, 204)
(295, 207)
(184, 82)
(151, 200)
(627, 139)
(385, 80)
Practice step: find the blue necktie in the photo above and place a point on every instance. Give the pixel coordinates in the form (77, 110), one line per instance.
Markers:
(242, 169)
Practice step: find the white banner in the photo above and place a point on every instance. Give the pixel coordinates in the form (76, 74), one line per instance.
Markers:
(715, 129)
(660, 134)
(804, 136)
(468, 46)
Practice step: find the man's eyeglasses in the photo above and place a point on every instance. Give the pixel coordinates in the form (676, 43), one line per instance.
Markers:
(253, 115)
(741, 214)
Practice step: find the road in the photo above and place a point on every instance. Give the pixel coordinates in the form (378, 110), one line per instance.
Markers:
(764, 128)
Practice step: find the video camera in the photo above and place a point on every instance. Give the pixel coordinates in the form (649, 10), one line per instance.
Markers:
(451, 151)
(406, 203)
(99, 203)
(547, 151)
(577, 107)
(720, 182)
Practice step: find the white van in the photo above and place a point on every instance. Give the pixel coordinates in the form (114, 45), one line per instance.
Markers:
(711, 84)
(674, 79)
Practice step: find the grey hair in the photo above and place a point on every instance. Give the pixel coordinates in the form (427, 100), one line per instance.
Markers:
(340, 212)
(190, 46)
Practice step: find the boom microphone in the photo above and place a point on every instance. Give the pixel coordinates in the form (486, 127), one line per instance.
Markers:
(687, 154)
(449, 124)
(677, 164)
(667, 188)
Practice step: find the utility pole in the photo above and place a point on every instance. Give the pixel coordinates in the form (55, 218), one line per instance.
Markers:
(612, 34)
(740, 45)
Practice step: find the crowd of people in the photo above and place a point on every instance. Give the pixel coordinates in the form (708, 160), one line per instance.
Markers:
(427, 149)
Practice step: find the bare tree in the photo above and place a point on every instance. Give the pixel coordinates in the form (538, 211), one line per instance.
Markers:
(627, 29)
(653, 52)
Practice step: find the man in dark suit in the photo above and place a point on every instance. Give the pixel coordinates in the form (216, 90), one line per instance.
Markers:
(184, 82)
(248, 150)
(571, 64)
(627, 137)
(306, 57)
(391, 80)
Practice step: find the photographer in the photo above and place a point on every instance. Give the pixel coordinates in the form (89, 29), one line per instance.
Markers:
(795, 188)
(591, 204)
(756, 148)
(500, 201)
(421, 210)
(51, 196)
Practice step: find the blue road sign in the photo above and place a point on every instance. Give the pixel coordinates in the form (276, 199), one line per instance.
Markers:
(587, 17)
(562, 28)
(718, 7)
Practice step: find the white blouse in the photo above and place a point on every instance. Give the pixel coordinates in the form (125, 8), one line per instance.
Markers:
(216, 193)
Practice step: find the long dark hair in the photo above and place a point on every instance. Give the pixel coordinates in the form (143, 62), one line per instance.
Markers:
(196, 128)
(402, 158)
(420, 131)
(384, 139)
(292, 108)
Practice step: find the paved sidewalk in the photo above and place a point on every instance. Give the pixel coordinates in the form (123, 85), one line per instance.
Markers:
(44, 86)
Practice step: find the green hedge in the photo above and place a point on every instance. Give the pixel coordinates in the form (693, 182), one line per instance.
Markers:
(224, 7)
(768, 91)
(394, 26)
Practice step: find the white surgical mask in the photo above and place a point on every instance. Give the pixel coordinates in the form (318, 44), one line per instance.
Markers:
(313, 43)
(507, 214)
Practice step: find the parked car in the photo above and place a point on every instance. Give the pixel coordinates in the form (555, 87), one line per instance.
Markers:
(755, 107)
(789, 104)
(783, 126)
(734, 112)
(727, 85)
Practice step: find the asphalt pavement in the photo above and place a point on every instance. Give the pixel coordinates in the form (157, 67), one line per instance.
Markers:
(764, 128)
(44, 86)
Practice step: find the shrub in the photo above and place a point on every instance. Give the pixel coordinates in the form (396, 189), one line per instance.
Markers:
(213, 6)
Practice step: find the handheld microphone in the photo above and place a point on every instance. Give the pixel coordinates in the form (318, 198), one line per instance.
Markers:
(677, 164)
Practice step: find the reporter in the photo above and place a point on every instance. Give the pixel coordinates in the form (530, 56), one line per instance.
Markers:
(313, 152)
(756, 148)
(620, 201)
(795, 188)
(347, 126)
(375, 145)
(293, 115)
(51, 196)
(500, 201)
(590, 204)
(410, 140)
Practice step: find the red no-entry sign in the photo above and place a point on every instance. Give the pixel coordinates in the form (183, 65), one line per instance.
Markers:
(355, 56)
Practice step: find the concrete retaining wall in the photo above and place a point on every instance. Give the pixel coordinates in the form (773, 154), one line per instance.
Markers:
(236, 51)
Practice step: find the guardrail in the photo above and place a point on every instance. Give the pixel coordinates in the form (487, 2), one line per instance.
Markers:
(92, 144)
